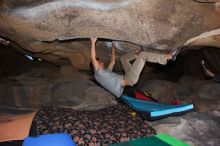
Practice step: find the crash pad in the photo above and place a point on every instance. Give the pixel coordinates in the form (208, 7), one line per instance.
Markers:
(49, 140)
(156, 140)
(152, 111)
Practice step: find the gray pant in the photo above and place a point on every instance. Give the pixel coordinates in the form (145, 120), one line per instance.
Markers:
(132, 71)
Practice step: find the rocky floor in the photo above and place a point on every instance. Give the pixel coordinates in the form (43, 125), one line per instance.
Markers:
(198, 128)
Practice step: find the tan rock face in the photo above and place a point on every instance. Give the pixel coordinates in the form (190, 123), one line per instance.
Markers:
(47, 28)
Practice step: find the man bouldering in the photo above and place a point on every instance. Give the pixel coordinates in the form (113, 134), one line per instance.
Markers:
(114, 82)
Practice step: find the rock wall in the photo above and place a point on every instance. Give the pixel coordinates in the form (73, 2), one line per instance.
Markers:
(35, 25)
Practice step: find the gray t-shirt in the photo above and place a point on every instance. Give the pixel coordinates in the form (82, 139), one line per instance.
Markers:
(110, 81)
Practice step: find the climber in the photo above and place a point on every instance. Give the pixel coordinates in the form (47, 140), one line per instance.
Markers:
(114, 82)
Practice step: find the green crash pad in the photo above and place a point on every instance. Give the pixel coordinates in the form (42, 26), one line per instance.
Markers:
(157, 140)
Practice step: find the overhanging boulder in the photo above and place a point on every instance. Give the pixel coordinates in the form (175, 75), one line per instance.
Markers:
(160, 24)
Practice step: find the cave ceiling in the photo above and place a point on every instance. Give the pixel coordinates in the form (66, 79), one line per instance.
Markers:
(46, 28)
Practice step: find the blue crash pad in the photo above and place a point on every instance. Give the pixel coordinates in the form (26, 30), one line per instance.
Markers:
(156, 110)
(49, 140)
